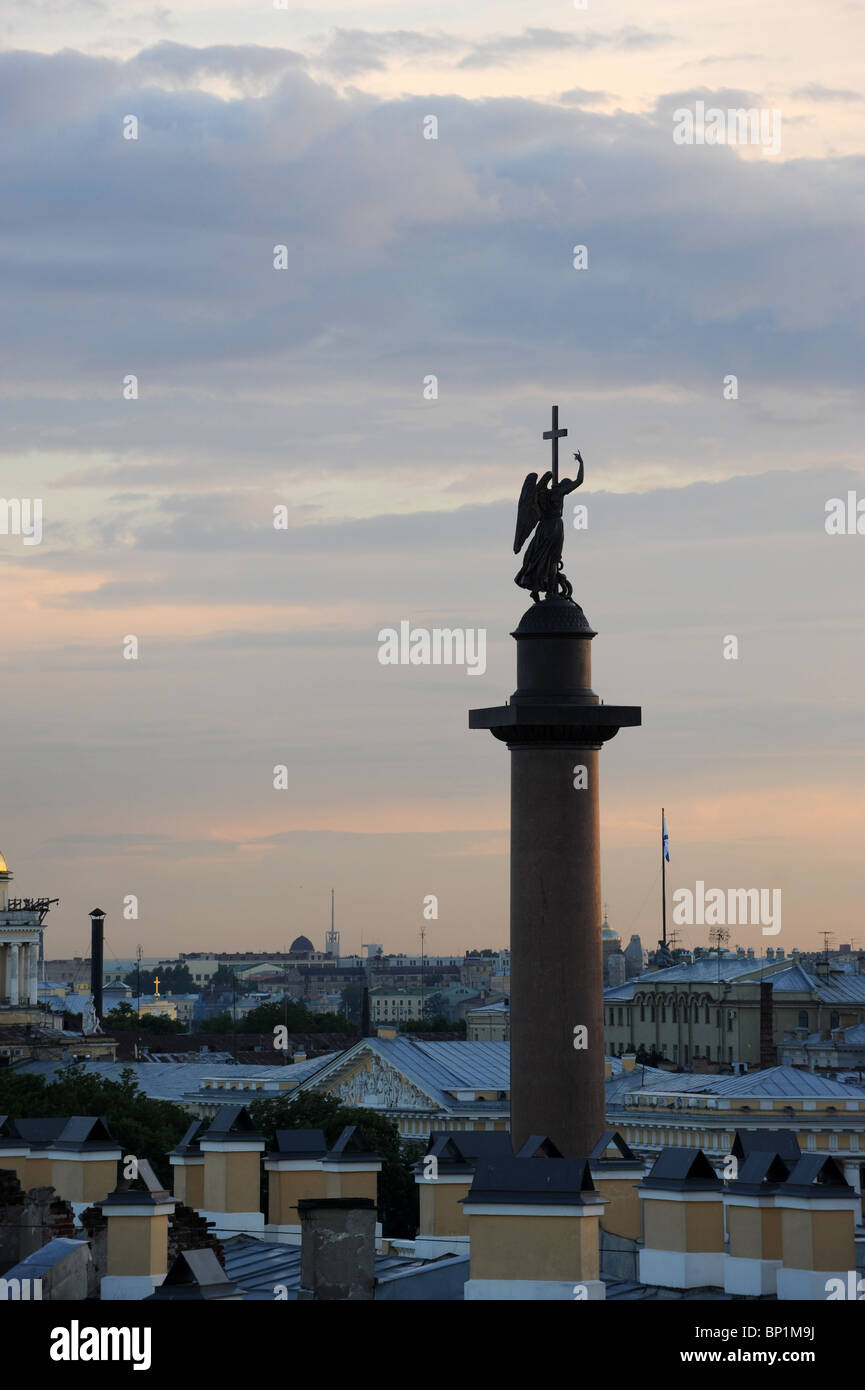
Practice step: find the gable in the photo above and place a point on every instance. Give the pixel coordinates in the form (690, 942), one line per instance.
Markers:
(371, 1081)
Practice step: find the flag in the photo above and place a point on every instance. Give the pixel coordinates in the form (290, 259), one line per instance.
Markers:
(666, 837)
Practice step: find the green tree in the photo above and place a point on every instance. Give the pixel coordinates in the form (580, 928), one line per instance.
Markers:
(398, 1197)
(440, 1024)
(173, 979)
(217, 1023)
(295, 1017)
(143, 1127)
(125, 1019)
(225, 978)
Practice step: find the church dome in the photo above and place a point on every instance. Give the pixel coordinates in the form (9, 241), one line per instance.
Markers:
(4, 867)
(300, 943)
(607, 932)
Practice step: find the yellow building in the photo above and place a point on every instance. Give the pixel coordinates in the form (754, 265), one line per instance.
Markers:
(396, 1005)
(658, 1110)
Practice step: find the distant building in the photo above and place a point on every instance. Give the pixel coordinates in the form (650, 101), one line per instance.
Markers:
(489, 1022)
(707, 1012)
(611, 944)
(616, 968)
(21, 928)
(635, 958)
(396, 1005)
(833, 1049)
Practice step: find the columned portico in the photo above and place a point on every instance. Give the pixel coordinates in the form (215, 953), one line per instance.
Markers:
(21, 927)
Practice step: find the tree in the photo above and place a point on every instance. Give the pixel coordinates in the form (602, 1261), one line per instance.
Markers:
(124, 1018)
(225, 978)
(441, 1024)
(217, 1023)
(398, 1197)
(143, 1128)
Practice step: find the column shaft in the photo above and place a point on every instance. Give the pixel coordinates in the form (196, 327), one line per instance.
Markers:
(556, 952)
(13, 972)
(33, 973)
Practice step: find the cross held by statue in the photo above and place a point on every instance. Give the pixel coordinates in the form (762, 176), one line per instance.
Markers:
(555, 434)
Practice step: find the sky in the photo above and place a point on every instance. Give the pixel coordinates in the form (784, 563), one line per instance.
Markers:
(306, 389)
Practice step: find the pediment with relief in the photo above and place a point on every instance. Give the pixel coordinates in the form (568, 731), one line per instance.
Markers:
(377, 1084)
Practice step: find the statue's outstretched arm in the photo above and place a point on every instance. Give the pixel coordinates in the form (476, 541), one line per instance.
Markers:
(571, 484)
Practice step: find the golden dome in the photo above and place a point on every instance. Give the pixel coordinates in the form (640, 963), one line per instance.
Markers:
(4, 867)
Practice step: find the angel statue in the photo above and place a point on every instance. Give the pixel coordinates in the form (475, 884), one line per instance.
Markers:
(541, 506)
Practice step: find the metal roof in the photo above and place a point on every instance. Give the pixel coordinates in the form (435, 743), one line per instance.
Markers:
(436, 1068)
(785, 1081)
(258, 1266)
(180, 1081)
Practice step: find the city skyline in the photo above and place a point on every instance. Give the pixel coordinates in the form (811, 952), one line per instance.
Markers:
(305, 389)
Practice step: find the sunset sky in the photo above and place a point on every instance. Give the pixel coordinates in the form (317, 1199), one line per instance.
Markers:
(410, 257)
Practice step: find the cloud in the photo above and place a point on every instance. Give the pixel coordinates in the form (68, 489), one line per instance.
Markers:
(406, 257)
(580, 96)
(816, 92)
(249, 67)
(349, 52)
(504, 49)
(732, 58)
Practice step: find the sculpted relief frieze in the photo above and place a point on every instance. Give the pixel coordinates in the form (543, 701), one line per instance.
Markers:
(379, 1084)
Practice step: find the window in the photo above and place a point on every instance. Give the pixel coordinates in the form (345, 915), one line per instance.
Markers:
(653, 1013)
(696, 1051)
(663, 1013)
(717, 1018)
(803, 1018)
(675, 1014)
(834, 1019)
(705, 1013)
(621, 1017)
(642, 1013)
(685, 1055)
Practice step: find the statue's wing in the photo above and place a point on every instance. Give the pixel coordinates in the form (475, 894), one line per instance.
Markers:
(528, 512)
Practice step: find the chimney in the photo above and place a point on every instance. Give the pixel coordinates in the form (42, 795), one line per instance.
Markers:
(822, 969)
(137, 1213)
(767, 1041)
(337, 1252)
(97, 932)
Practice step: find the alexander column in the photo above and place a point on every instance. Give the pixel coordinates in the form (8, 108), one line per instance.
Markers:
(554, 726)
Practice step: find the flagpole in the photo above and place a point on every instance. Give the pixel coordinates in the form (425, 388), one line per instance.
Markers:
(663, 884)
